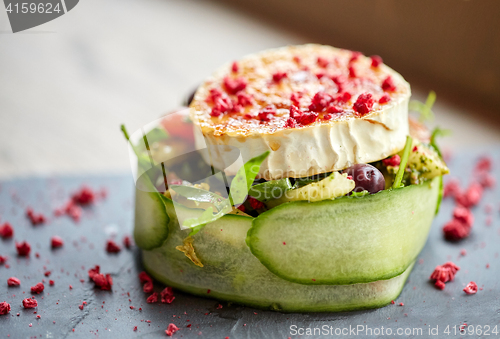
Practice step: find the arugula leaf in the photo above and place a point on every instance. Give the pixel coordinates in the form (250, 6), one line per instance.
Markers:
(402, 164)
(438, 132)
(425, 109)
(267, 190)
(244, 178)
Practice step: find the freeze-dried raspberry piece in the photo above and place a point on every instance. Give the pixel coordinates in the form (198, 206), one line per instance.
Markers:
(51, 282)
(445, 272)
(471, 196)
(452, 188)
(364, 103)
(487, 180)
(376, 60)
(167, 295)
(144, 277)
(384, 99)
(343, 97)
(244, 99)
(148, 287)
(471, 288)
(35, 218)
(278, 76)
(295, 98)
(352, 72)
(439, 285)
(322, 62)
(320, 101)
(171, 329)
(484, 164)
(307, 118)
(332, 108)
(233, 86)
(127, 242)
(393, 161)
(4, 308)
(84, 196)
(254, 203)
(222, 105)
(456, 230)
(6, 231)
(13, 281)
(104, 282)
(23, 248)
(290, 123)
(56, 242)
(94, 271)
(112, 247)
(388, 84)
(30, 303)
(234, 67)
(38, 288)
(295, 112)
(152, 298)
(464, 215)
(3, 259)
(267, 113)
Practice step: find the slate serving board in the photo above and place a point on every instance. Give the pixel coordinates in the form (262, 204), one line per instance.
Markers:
(108, 314)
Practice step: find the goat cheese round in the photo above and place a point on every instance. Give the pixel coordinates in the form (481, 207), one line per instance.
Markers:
(316, 108)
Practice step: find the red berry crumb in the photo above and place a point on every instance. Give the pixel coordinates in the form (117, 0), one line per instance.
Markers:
(234, 67)
(384, 99)
(445, 272)
(23, 248)
(320, 101)
(84, 196)
(167, 295)
(56, 242)
(308, 118)
(352, 72)
(6, 231)
(471, 288)
(244, 99)
(135, 328)
(464, 215)
(94, 271)
(291, 123)
(51, 282)
(171, 329)
(30, 303)
(148, 287)
(452, 188)
(278, 76)
(4, 308)
(34, 218)
(3, 259)
(393, 161)
(484, 164)
(233, 86)
(376, 60)
(112, 247)
(104, 282)
(334, 109)
(440, 285)
(254, 203)
(127, 242)
(322, 62)
(471, 196)
(38, 288)
(401, 304)
(295, 98)
(144, 277)
(364, 103)
(152, 298)
(388, 84)
(13, 281)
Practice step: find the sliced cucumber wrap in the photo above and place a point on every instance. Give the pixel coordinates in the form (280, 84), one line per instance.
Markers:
(232, 273)
(151, 220)
(347, 240)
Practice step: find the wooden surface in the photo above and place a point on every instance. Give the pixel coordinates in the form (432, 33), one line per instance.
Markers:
(67, 85)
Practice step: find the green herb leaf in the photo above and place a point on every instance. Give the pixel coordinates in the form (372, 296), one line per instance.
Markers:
(244, 178)
(359, 194)
(425, 109)
(272, 189)
(438, 132)
(404, 161)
